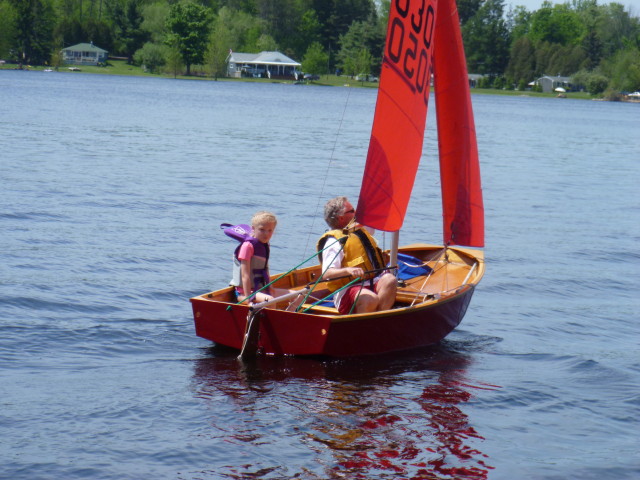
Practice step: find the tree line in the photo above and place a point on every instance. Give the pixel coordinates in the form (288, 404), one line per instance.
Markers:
(597, 45)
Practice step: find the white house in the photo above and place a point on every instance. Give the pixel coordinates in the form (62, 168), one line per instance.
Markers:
(84, 54)
(549, 84)
(263, 64)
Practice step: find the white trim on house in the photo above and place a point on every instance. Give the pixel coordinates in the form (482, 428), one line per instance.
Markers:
(263, 64)
(84, 54)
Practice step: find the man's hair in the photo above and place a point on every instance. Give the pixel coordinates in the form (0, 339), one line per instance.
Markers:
(333, 209)
(263, 217)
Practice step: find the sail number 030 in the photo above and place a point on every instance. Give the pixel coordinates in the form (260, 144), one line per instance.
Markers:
(410, 42)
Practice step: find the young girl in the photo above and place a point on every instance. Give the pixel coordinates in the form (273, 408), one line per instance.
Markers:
(251, 260)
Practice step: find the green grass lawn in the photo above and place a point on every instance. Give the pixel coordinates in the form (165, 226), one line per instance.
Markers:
(120, 67)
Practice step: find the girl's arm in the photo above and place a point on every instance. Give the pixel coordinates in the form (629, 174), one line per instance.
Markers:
(245, 278)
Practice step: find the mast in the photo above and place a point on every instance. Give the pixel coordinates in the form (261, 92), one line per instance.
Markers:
(393, 254)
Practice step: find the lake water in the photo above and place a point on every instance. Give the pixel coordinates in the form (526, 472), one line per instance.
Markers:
(113, 189)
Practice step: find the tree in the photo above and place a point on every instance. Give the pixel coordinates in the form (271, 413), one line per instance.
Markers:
(127, 19)
(34, 22)
(152, 56)
(315, 60)
(351, 44)
(623, 70)
(566, 60)
(73, 29)
(7, 28)
(361, 36)
(518, 22)
(544, 51)
(617, 29)
(188, 26)
(155, 16)
(557, 24)
(596, 83)
(592, 47)
(363, 62)
(522, 65)
(266, 43)
(467, 9)
(306, 33)
(487, 39)
(336, 17)
(221, 41)
(174, 61)
(283, 19)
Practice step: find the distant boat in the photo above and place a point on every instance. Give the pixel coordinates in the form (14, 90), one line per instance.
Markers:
(431, 303)
(47, 70)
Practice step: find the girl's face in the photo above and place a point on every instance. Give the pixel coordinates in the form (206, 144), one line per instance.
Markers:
(264, 231)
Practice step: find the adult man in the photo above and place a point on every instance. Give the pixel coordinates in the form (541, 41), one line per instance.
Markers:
(347, 252)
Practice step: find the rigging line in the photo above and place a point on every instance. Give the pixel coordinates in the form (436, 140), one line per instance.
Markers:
(342, 244)
(249, 297)
(326, 175)
(433, 270)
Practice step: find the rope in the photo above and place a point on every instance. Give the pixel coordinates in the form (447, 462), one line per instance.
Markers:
(330, 295)
(342, 244)
(326, 175)
(433, 270)
(249, 297)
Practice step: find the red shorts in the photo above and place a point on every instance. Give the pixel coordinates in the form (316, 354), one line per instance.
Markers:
(349, 297)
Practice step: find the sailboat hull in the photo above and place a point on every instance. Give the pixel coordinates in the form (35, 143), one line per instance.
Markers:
(423, 315)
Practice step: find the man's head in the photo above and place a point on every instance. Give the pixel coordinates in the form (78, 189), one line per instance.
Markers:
(338, 212)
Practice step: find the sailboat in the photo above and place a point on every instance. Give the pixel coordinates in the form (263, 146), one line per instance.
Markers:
(423, 40)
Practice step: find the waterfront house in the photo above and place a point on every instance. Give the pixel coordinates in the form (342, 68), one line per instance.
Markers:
(549, 84)
(262, 65)
(474, 79)
(84, 54)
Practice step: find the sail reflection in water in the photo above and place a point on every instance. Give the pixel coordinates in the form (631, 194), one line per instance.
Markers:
(365, 418)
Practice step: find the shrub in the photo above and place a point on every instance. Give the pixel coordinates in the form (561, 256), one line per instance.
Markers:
(151, 56)
(596, 83)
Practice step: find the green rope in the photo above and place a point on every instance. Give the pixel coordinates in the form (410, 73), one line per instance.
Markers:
(355, 301)
(331, 294)
(320, 278)
(249, 297)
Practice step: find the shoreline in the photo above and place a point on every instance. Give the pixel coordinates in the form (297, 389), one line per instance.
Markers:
(120, 67)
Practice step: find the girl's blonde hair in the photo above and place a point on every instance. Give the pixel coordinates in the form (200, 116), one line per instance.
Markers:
(263, 217)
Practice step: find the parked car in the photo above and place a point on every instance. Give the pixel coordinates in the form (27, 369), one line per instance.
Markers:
(365, 77)
(311, 76)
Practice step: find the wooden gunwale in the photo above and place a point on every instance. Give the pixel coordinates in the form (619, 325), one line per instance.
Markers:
(463, 257)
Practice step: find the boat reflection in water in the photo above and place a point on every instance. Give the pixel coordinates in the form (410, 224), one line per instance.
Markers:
(358, 418)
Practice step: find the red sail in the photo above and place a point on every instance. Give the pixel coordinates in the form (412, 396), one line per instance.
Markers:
(421, 37)
(401, 113)
(462, 206)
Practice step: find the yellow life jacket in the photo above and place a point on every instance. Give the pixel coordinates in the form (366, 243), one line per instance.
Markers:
(360, 250)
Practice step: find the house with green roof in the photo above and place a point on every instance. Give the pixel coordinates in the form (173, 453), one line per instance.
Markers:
(84, 54)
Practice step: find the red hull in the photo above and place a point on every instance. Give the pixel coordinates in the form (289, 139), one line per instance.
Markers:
(283, 332)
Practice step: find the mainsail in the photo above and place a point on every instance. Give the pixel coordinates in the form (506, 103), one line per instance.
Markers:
(423, 37)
